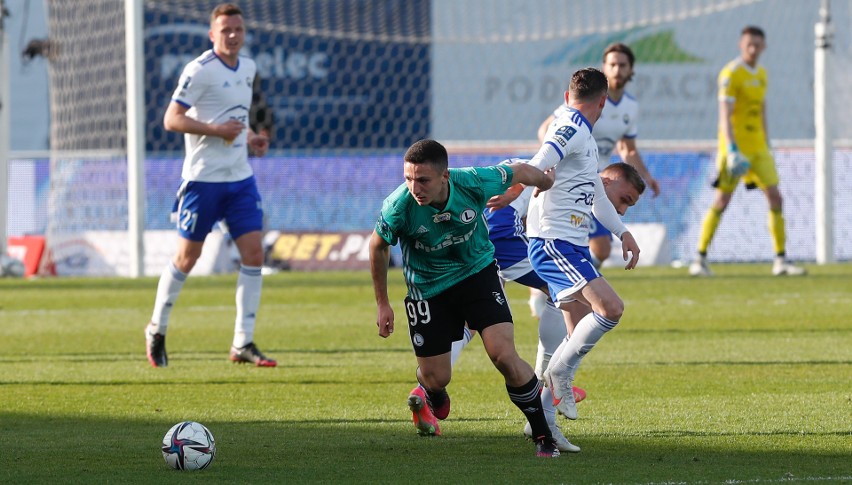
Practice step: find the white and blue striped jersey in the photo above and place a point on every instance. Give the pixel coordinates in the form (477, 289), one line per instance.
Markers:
(565, 211)
(214, 92)
(618, 120)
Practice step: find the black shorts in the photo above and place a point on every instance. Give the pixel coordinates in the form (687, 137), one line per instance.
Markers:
(435, 323)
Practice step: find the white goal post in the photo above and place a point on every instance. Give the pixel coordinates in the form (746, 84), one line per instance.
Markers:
(5, 107)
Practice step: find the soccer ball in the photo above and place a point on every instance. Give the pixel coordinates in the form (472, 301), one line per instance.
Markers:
(189, 446)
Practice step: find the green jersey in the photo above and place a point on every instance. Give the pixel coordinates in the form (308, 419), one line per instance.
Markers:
(442, 247)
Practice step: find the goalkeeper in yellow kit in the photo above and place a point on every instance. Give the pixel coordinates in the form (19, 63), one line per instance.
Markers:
(744, 150)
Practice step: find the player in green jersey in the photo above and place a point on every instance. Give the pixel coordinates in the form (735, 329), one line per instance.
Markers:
(448, 263)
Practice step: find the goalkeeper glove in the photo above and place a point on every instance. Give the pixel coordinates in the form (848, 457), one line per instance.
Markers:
(737, 164)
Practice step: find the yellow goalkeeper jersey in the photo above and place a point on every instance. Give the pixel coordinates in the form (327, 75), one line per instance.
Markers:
(745, 87)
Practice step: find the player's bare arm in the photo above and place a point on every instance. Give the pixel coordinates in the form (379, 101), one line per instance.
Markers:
(503, 200)
(765, 125)
(726, 109)
(526, 174)
(628, 152)
(542, 128)
(177, 120)
(379, 261)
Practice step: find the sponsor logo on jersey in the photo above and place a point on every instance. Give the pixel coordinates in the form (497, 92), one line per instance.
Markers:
(467, 216)
(442, 217)
(566, 132)
(577, 221)
(449, 240)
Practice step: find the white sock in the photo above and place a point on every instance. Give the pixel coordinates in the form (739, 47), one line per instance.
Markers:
(537, 301)
(459, 345)
(168, 290)
(547, 406)
(551, 333)
(586, 334)
(249, 284)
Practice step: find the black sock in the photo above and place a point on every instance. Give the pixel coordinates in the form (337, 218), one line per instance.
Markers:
(436, 399)
(528, 400)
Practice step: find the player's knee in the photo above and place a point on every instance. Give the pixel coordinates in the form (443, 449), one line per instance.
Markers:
(775, 202)
(602, 253)
(612, 309)
(505, 361)
(185, 262)
(252, 259)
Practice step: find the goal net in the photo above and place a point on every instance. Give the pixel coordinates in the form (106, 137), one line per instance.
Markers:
(345, 87)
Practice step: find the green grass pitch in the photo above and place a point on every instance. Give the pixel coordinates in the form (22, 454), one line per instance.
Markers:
(741, 378)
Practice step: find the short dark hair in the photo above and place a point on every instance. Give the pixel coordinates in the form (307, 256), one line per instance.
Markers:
(225, 9)
(587, 84)
(627, 172)
(622, 49)
(428, 151)
(752, 30)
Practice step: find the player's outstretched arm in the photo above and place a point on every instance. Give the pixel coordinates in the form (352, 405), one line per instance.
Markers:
(379, 262)
(503, 200)
(526, 174)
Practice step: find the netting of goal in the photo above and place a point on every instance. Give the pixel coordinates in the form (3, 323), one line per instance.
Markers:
(349, 85)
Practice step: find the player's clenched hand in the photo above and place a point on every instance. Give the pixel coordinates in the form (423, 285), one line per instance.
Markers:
(258, 144)
(384, 320)
(629, 249)
(230, 129)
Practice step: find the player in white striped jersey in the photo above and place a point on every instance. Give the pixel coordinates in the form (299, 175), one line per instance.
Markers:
(211, 107)
(558, 226)
(616, 130)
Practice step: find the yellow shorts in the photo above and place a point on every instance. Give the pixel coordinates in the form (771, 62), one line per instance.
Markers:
(762, 173)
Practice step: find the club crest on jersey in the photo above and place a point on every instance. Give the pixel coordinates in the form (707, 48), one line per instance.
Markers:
(442, 217)
(417, 340)
(467, 215)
